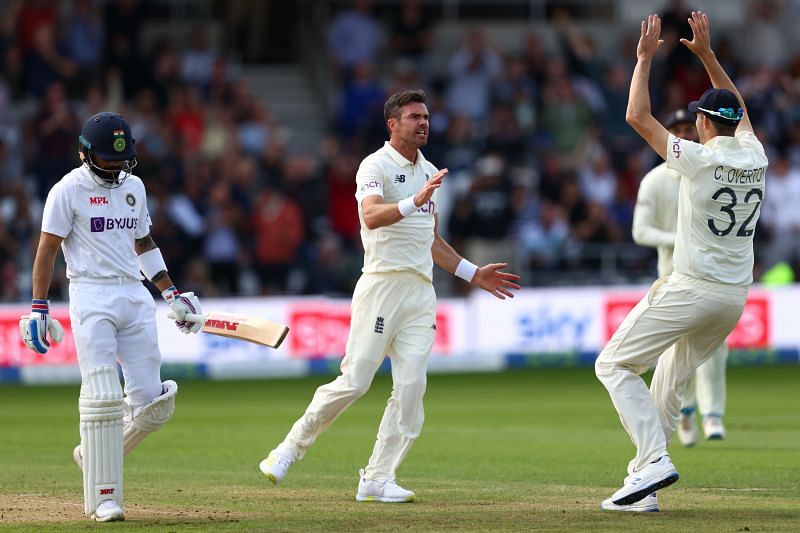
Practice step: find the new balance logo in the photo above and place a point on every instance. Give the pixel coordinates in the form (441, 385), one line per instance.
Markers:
(399, 178)
(98, 200)
(379, 325)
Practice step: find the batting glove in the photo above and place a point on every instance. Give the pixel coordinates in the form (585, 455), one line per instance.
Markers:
(33, 328)
(181, 305)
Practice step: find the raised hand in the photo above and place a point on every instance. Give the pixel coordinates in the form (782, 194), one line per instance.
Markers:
(497, 283)
(425, 193)
(649, 40)
(701, 37)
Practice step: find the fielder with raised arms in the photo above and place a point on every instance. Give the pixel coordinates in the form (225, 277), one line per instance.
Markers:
(655, 223)
(98, 214)
(699, 304)
(394, 304)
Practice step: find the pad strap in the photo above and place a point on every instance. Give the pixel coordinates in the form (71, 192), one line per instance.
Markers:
(151, 417)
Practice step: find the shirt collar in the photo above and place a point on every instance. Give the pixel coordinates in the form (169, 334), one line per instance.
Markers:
(399, 158)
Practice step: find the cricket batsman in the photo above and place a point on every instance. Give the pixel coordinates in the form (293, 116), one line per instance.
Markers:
(97, 214)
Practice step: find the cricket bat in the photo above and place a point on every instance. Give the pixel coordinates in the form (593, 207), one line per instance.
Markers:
(242, 327)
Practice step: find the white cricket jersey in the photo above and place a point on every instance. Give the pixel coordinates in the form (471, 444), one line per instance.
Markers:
(99, 225)
(721, 191)
(655, 217)
(406, 244)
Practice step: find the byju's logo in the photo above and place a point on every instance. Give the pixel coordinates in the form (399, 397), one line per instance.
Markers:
(99, 224)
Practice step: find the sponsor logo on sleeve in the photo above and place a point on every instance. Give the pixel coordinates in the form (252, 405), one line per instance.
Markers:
(676, 147)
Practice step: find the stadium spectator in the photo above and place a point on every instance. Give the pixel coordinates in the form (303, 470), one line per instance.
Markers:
(278, 230)
(472, 70)
(354, 37)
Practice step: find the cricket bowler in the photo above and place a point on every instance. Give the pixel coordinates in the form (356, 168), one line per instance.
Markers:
(394, 304)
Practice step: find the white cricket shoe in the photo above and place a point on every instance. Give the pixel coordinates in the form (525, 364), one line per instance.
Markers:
(108, 511)
(713, 428)
(656, 475)
(648, 504)
(76, 455)
(687, 430)
(277, 463)
(382, 490)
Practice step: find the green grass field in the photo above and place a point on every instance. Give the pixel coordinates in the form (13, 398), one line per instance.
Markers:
(531, 450)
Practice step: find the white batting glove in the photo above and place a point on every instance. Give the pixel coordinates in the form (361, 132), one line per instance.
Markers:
(180, 305)
(33, 328)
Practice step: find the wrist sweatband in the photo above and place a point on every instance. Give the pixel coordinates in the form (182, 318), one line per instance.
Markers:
(40, 306)
(151, 263)
(170, 294)
(466, 270)
(407, 206)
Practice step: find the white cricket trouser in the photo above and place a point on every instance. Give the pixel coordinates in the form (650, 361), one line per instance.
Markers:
(705, 390)
(392, 314)
(115, 321)
(694, 315)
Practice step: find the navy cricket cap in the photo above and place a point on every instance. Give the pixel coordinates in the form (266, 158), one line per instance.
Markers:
(108, 136)
(720, 105)
(679, 117)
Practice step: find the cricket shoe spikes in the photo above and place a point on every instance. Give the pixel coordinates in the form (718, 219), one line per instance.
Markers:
(382, 490)
(656, 475)
(648, 504)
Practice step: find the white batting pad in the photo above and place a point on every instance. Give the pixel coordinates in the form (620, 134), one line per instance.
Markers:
(149, 418)
(100, 407)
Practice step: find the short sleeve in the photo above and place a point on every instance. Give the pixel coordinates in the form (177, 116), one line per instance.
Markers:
(749, 140)
(57, 216)
(144, 222)
(369, 180)
(684, 157)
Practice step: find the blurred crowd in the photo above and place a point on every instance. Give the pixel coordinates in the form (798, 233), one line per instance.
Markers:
(543, 168)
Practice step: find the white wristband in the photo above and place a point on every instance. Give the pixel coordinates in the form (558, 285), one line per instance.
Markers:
(407, 206)
(151, 263)
(466, 270)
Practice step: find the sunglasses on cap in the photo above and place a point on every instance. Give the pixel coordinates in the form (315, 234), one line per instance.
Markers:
(727, 113)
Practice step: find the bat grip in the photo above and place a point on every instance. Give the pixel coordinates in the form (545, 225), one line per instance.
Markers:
(197, 319)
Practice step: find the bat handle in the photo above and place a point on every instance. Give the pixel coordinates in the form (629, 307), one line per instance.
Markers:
(190, 317)
(197, 319)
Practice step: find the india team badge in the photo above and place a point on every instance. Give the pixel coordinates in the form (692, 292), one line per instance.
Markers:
(130, 199)
(119, 140)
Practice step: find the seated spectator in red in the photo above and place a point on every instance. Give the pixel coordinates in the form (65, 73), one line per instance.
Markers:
(278, 229)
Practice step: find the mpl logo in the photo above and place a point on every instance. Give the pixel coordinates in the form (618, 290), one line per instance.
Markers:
(98, 200)
(100, 224)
